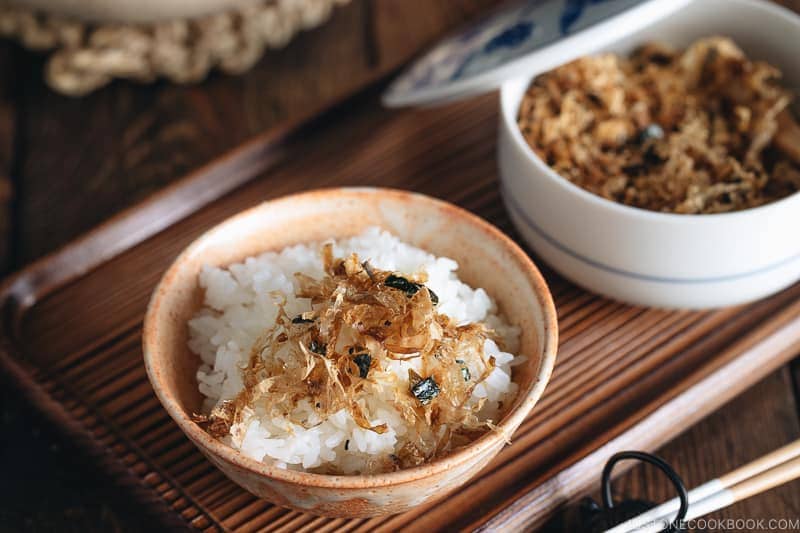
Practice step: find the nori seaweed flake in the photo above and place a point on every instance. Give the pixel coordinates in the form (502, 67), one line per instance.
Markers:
(363, 362)
(300, 320)
(409, 287)
(402, 284)
(434, 298)
(317, 347)
(425, 390)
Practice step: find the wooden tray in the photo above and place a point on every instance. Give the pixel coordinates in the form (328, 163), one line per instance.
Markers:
(626, 377)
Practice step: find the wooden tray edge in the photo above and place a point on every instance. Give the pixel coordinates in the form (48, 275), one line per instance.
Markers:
(21, 290)
(141, 221)
(756, 355)
(54, 412)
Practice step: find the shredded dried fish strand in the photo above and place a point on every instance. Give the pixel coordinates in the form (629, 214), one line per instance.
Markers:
(704, 130)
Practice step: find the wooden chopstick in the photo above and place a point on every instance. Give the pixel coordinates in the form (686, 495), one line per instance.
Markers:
(766, 462)
(766, 472)
(764, 481)
(772, 478)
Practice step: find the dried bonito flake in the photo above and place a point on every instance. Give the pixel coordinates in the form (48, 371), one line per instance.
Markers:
(333, 357)
(704, 130)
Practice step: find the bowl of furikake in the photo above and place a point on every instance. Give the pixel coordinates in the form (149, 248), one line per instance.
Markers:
(663, 169)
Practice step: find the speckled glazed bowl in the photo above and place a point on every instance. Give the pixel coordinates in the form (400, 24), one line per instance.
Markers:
(486, 257)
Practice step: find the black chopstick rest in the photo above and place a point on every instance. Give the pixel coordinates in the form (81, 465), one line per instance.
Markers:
(588, 516)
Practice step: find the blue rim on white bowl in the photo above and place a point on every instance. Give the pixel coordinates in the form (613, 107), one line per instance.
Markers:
(766, 260)
(519, 212)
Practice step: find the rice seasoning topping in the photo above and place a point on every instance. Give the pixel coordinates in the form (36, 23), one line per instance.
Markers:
(362, 322)
(702, 130)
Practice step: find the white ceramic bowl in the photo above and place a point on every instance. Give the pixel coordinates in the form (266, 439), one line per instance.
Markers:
(650, 258)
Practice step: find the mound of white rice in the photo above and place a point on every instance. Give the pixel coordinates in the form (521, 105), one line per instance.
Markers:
(239, 307)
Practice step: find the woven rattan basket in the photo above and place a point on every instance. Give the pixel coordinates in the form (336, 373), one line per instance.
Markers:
(94, 41)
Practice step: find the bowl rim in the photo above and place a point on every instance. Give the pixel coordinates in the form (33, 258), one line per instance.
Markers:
(509, 110)
(480, 446)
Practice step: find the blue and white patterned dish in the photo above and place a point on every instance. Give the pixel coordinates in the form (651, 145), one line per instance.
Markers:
(533, 34)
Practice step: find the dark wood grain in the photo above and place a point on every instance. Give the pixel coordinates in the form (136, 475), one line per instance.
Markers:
(765, 413)
(8, 131)
(126, 141)
(109, 150)
(79, 161)
(626, 376)
(794, 5)
(399, 23)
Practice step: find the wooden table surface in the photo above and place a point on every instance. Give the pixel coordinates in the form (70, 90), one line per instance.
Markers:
(68, 164)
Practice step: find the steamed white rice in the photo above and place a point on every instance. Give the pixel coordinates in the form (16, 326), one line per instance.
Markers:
(239, 306)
